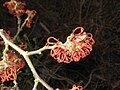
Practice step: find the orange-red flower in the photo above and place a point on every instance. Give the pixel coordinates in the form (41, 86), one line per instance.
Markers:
(78, 45)
(30, 14)
(10, 67)
(16, 61)
(15, 7)
(8, 74)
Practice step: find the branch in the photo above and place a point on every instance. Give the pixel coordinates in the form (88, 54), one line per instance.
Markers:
(90, 78)
(25, 54)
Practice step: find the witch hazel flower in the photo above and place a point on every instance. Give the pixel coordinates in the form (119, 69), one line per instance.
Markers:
(15, 7)
(31, 14)
(10, 67)
(78, 45)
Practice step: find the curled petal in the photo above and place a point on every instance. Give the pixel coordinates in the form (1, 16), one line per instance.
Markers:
(78, 45)
(8, 74)
(11, 73)
(66, 56)
(86, 51)
(55, 51)
(59, 57)
(31, 14)
(89, 40)
(92, 41)
(89, 35)
(52, 41)
(76, 55)
(78, 31)
(82, 53)
(89, 47)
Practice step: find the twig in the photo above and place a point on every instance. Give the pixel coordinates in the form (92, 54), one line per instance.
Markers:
(35, 85)
(90, 78)
(80, 13)
(16, 85)
(40, 50)
(5, 51)
(46, 29)
(20, 27)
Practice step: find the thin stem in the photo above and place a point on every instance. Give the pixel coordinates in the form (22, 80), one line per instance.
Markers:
(90, 78)
(5, 51)
(20, 27)
(35, 85)
(18, 31)
(80, 13)
(16, 85)
(40, 50)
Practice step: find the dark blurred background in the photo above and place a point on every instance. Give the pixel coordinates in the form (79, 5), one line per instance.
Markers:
(98, 71)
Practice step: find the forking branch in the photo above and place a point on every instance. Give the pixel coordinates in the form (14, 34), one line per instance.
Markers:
(26, 54)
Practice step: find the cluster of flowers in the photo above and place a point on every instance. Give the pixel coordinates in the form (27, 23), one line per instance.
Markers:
(12, 63)
(78, 45)
(10, 67)
(17, 8)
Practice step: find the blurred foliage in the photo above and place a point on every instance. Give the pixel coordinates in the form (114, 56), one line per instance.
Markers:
(58, 18)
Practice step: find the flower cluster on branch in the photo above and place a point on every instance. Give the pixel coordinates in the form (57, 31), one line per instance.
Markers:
(10, 67)
(31, 14)
(17, 8)
(78, 45)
